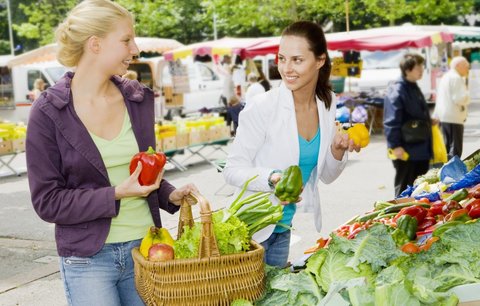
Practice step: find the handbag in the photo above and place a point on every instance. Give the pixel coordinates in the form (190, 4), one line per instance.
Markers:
(415, 131)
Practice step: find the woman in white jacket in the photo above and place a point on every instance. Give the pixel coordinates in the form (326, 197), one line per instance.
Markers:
(293, 124)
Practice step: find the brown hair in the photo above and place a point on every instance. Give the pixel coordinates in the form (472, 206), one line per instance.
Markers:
(409, 61)
(315, 37)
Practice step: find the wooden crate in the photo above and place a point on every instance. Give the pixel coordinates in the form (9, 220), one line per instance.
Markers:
(182, 140)
(18, 145)
(6, 147)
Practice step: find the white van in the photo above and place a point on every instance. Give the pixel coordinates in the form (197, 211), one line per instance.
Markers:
(381, 68)
(21, 78)
(204, 84)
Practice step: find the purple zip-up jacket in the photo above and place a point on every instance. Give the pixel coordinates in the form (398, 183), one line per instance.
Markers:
(68, 180)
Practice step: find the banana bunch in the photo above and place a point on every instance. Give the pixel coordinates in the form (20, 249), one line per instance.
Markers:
(155, 235)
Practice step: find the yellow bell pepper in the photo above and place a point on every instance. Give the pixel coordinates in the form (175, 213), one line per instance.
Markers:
(359, 134)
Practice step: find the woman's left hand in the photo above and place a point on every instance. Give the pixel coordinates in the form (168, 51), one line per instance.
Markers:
(341, 143)
(178, 194)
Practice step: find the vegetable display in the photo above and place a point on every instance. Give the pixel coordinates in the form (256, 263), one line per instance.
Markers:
(152, 164)
(409, 253)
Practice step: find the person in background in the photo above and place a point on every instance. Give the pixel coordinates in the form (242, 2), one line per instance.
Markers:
(234, 108)
(225, 70)
(293, 124)
(403, 102)
(254, 87)
(81, 137)
(238, 77)
(131, 75)
(38, 88)
(263, 80)
(451, 105)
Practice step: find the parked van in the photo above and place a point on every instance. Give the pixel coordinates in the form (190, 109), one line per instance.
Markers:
(202, 85)
(381, 68)
(17, 100)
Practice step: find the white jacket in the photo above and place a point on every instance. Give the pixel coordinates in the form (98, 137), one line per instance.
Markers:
(452, 99)
(267, 139)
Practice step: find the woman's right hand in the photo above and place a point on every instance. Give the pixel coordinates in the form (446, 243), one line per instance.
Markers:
(399, 153)
(132, 188)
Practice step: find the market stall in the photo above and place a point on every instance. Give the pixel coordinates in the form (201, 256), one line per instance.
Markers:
(48, 52)
(214, 48)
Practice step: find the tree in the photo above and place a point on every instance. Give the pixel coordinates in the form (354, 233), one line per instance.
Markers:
(190, 21)
(43, 17)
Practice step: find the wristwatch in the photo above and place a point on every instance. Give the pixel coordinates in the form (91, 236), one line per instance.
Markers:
(270, 183)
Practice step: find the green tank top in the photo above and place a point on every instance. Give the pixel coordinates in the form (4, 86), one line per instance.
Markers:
(134, 217)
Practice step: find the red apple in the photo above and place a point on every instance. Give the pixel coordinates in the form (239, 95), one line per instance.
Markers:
(160, 252)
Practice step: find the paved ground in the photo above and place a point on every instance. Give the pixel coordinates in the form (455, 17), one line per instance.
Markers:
(29, 264)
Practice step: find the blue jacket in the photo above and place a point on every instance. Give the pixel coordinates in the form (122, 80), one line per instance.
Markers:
(404, 101)
(68, 179)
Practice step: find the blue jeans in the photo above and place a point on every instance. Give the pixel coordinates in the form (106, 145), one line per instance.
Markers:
(106, 278)
(276, 249)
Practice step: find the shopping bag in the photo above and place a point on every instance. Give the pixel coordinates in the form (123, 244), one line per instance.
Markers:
(439, 148)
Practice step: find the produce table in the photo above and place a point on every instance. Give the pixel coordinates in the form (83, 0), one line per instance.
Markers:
(197, 150)
(9, 151)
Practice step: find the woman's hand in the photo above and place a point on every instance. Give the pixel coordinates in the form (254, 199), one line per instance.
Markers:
(342, 143)
(178, 194)
(399, 153)
(132, 188)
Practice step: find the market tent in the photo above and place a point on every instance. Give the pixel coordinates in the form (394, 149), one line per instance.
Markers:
(378, 39)
(48, 52)
(223, 46)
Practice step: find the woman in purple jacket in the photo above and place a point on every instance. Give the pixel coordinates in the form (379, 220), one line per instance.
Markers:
(82, 134)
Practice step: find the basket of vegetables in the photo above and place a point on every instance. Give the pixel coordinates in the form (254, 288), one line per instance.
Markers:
(221, 272)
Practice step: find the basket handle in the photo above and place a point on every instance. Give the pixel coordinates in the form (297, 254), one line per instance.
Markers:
(208, 243)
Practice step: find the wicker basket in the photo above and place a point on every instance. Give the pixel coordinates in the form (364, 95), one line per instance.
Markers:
(210, 279)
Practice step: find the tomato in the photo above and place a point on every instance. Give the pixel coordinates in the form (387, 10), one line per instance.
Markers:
(410, 248)
(424, 200)
(451, 206)
(474, 209)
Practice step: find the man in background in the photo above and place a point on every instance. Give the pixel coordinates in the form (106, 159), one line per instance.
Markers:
(451, 105)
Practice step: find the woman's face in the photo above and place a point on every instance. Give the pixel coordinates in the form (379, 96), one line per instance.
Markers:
(118, 48)
(415, 74)
(297, 64)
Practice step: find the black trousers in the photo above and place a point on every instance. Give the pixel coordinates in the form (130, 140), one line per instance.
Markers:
(453, 137)
(407, 172)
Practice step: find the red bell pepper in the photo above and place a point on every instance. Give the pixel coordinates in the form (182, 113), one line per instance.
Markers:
(436, 208)
(418, 212)
(152, 164)
(427, 222)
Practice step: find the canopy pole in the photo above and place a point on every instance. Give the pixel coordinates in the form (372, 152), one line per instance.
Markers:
(347, 20)
(10, 34)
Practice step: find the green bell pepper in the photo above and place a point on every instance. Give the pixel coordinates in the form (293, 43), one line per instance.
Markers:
(408, 224)
(290, 186)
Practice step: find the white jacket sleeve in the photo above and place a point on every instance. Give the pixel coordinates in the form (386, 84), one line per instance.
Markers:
(250, 137)
(459, 91)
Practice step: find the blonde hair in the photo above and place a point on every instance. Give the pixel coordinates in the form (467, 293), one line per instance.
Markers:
(87, 19)
(131, 75)
(39, 84)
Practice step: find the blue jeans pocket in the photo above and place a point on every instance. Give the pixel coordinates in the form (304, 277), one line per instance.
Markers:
(76, 261)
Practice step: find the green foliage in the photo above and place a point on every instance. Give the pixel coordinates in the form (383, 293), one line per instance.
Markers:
(43, 17)
(189, 21)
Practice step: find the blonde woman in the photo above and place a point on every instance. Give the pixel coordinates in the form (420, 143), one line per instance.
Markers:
(81, 137)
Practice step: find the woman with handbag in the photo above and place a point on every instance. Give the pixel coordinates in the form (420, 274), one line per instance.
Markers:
(407, 124)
